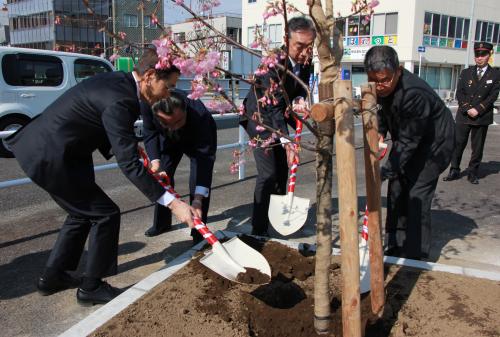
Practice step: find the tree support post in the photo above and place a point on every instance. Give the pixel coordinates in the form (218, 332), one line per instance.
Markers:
(373, 192)
(348, 209)
(322, 314)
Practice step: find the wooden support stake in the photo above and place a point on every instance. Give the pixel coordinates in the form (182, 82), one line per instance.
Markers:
(373, 192)
(348, 209)
(322, 314)
(321, 112)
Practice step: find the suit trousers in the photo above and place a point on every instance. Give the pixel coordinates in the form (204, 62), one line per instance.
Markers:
(162, 215)
(94, 215)
(408, 222)
(477, 137)
(272, 175)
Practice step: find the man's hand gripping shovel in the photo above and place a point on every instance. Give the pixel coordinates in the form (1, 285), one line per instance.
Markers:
(288, 213)
(228, 259)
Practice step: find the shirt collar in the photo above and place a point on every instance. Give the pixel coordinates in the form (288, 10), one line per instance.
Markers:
(292, 62)
(483, 68)
(137, 81)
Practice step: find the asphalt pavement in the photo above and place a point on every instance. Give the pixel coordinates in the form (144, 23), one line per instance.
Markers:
(466, 229)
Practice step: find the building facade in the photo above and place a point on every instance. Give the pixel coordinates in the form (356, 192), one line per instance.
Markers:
(66, 25)
(4, 27)
(190, 31)
(446, 30)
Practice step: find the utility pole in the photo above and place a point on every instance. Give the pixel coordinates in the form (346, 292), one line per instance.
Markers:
(113, 14)
(142, 25)
(470, 39)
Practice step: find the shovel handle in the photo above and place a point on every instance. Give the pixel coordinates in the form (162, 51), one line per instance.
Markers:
(165, 182)
(295, 164)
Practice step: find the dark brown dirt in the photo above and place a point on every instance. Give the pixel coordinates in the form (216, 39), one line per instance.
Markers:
(197, 302)
(253, 276)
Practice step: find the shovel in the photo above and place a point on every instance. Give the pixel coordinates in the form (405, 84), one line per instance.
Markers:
(228, 259)
(288, 213)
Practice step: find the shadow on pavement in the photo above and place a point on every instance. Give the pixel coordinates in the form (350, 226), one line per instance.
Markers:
(488, 168)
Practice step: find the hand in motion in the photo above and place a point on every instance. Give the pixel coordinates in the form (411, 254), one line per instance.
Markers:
(472, 113)
(291, 153)
(154, 167)
(196, 205)
(183, 212)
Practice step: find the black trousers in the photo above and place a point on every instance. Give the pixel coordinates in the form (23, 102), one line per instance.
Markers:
(272, 175)
(408, 222)
(162, 215)
(92, 214)
(477, 137)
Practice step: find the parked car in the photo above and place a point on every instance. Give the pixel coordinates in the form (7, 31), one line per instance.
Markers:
(31, 79)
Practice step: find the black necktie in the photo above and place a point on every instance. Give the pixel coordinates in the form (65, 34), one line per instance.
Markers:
(296, 69)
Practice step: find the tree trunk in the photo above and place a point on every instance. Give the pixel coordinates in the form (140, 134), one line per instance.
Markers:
(373, 191)
(322, 313)
(348, 210)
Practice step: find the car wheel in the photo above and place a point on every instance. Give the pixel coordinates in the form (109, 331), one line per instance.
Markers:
(10, 124)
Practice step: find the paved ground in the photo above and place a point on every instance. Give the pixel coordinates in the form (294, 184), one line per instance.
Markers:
(466, 223)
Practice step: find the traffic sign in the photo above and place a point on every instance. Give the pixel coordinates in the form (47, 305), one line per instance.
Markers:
(421, 49)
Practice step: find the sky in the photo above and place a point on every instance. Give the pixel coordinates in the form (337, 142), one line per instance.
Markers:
(174, 14)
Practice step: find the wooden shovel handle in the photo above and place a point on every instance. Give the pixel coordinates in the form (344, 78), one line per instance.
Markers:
(295, 164)
(165, 182)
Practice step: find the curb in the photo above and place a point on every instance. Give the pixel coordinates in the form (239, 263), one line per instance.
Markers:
(109, 310)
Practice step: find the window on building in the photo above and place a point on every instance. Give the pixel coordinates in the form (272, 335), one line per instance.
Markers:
(452, 26)
(251, 1)
(378, 24)
(427, 23)
(495, 33)
(489, 32)
(466, 29)
(130, 20)
(479, 24)
(274, 34)
(148, 22)
(444, 26)
(353, 26)
(251, 35)
(32, 70)
(88, 68)
(459, 28)
(391, 23)
(436, 19)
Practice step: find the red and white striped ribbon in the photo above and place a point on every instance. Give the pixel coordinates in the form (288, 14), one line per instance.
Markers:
(165, 182)
(364, 230)
(295, 164)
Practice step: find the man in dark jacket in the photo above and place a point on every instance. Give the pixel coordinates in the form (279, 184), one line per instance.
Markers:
(477, 90)
(272, 169)
(422, 133)
(181, 126)
(55, 150)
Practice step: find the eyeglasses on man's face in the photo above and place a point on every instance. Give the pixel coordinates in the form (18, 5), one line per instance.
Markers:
(386, 83)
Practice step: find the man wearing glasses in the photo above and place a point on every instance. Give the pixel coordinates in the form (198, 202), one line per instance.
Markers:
(422, 134)
(477, 90)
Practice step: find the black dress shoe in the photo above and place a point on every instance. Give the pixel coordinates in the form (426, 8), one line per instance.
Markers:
(51, 285)
(453, 175)
(155, 231)
(103, 294)
(472, 178)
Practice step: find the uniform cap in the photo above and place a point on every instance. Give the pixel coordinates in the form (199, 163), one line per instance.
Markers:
(483, 46)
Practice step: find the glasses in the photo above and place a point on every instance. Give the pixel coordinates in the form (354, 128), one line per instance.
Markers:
(386, 84)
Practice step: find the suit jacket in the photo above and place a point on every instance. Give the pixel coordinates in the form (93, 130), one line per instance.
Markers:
(197, 138)
(55, 149)
(421, 126)
(273, 115)
(479, 94)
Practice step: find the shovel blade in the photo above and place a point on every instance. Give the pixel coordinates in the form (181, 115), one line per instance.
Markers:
(287, 213)
(364, 267)
(241, 253)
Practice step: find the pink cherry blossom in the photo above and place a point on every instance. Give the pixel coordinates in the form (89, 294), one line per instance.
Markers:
(113, 57)
(219, 105)
(259, 128)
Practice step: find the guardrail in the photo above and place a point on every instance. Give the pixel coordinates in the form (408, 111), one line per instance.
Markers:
(241, 144)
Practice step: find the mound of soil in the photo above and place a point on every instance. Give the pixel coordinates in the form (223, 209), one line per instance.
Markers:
(197, 302)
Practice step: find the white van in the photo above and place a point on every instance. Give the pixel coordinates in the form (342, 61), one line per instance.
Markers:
(31, 79)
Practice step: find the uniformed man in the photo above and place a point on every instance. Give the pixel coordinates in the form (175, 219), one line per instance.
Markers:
(477, 90)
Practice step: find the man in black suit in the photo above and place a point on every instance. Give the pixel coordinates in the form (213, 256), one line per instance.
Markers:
(181, 126)
(477, 90)
(422, 133)
(55, 150)
(272, 169)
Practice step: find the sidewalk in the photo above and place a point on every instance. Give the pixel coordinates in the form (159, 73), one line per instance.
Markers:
(466, 227)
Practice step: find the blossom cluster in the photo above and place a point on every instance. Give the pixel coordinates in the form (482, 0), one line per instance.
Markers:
(274, 8)
(219, 105)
